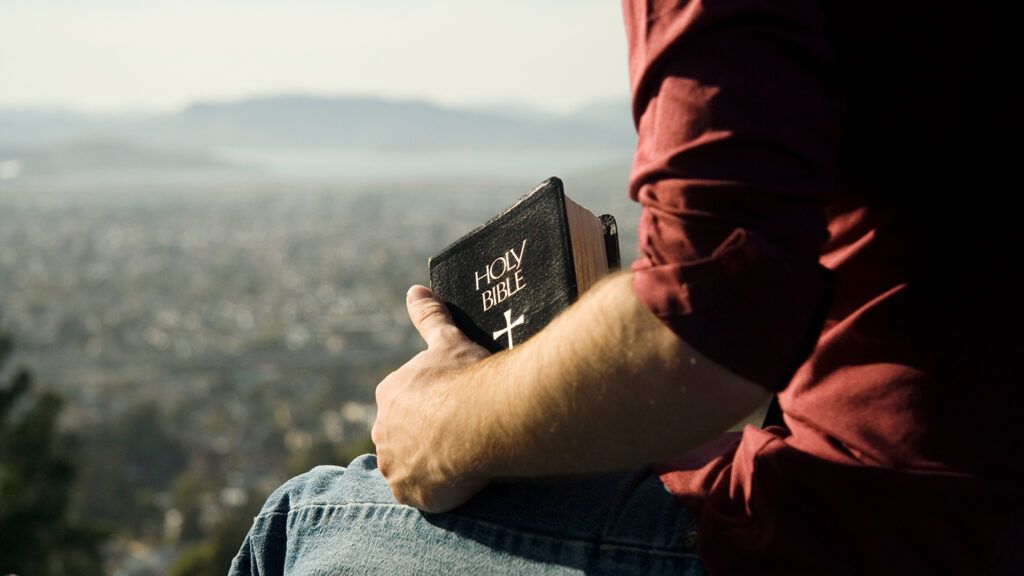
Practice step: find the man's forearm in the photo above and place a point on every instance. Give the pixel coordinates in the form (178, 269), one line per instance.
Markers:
(606, 385)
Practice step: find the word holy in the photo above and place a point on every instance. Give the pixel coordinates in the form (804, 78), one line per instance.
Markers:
(507, 271)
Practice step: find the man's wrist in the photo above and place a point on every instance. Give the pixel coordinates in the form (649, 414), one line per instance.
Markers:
(479, 418)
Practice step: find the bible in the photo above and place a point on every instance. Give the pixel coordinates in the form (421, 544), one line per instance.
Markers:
(506, 279)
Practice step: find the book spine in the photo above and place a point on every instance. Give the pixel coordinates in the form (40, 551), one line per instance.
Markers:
(611, 242)
(570, 260)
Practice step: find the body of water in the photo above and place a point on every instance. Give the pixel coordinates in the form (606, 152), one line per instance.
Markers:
(390, 165)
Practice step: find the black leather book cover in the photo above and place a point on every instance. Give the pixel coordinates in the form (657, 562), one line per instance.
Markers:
(509, 277)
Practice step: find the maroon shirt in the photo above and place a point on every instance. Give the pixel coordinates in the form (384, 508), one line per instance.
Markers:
(824, 195)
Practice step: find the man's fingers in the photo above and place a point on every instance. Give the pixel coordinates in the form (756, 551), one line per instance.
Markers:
(428, 314)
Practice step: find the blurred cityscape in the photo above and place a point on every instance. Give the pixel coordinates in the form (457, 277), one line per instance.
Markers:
(216, 327)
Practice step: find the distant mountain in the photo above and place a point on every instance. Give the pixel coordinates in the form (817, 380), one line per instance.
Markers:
(615, 113)
(307, 121)
(21, 127)
(100, 156)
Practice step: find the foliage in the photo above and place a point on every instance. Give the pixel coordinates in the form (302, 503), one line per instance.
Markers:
(213, 556)
(128, 461)
(36, 478)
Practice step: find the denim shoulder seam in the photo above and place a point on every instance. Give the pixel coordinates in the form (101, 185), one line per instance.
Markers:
(599, 544)
(349, 505)
(345, 505)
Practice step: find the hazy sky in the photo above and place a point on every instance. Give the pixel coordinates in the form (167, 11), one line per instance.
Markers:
(162, 54)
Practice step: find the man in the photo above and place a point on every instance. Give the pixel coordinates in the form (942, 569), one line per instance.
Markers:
(804, 170)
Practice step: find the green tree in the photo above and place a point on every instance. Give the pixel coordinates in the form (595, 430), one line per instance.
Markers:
(212, 556)
(130, 460)
(37, 535)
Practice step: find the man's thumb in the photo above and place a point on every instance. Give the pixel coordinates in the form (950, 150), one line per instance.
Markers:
(427, 312)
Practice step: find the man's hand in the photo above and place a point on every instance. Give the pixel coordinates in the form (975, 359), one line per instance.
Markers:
(413, 433)
(605, 385)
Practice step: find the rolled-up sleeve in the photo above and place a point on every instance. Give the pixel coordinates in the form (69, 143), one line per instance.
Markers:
(737, 107)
